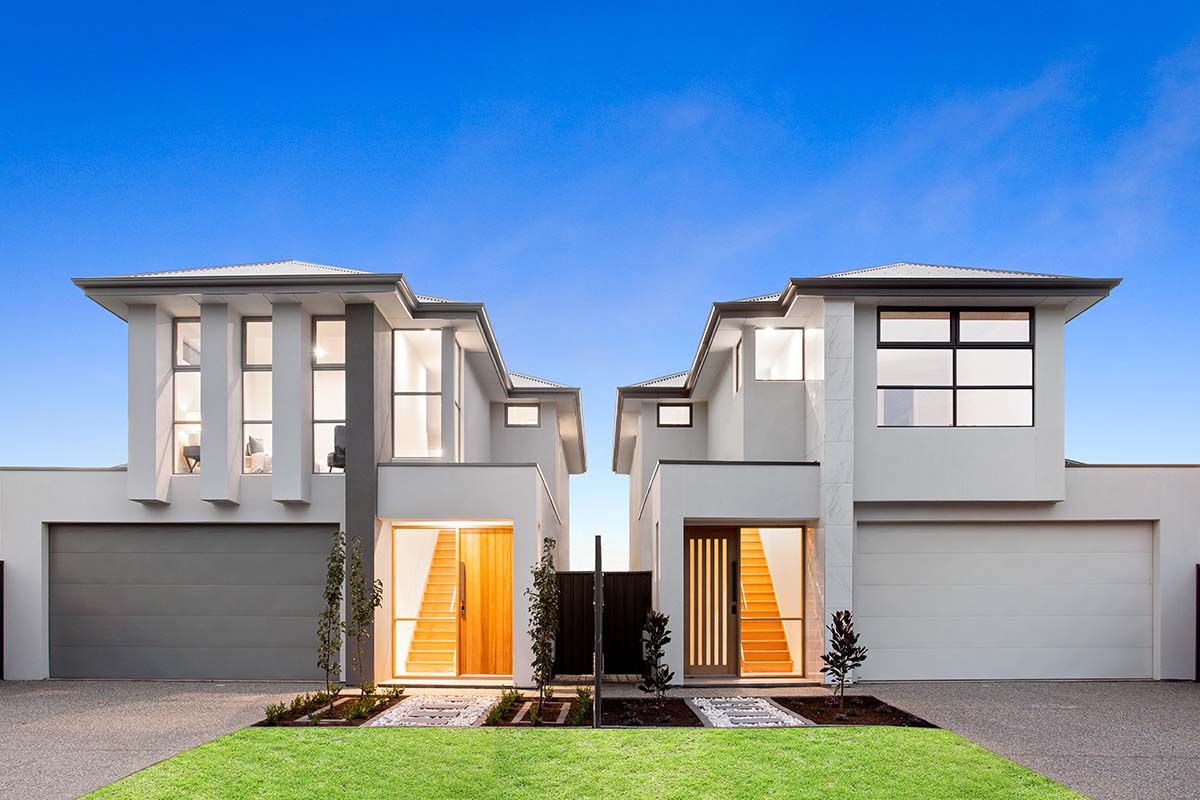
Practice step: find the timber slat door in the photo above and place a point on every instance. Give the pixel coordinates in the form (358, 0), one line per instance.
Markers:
(485, 615)
(710, 581)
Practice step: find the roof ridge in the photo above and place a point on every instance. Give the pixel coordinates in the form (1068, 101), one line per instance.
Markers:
(895, 264)
(218, 267)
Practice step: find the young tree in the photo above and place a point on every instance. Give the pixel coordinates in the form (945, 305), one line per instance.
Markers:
(845, 654)
(543, 619)
(656, 677)
(364, 598)
(329, 625)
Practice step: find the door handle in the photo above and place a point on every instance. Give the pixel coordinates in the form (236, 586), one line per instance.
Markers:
(733, 589)
(462, 588)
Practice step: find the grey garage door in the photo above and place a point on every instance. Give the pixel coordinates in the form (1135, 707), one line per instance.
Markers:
(1005, 600)
(186, 601)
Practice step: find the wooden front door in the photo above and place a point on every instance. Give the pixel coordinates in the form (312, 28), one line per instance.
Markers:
(485, 601)
(710, 586)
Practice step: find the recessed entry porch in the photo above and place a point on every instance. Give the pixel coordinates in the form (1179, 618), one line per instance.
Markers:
(451, 600)
(745, 602)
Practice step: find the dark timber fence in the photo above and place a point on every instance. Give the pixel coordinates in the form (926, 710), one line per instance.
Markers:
(626, 604)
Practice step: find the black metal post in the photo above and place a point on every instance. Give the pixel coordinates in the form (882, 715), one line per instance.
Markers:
(598, 617)
(1197, 675)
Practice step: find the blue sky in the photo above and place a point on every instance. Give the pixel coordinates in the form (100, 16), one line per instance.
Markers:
(599, 177)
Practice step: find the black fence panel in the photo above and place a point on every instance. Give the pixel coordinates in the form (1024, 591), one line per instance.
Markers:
(576, 628)
(626, 604)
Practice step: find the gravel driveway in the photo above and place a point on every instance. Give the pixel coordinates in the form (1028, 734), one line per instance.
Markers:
(61, 739)
(1110, 741)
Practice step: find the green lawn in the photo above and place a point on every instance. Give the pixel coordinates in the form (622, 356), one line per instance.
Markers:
(826, 763)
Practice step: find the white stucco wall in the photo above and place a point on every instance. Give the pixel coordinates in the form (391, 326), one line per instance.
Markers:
(477, 413)
(470, 492)
(725, 417)
(1166, 497)
(962, 463)
(732, 494)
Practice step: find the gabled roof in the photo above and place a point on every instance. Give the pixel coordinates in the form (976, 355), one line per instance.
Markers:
(906, 269)
(677, 379)
(289, 277)
(903, 281)
(290, 267)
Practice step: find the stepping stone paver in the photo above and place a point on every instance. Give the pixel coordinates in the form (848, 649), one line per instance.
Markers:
(744, 712)
(435, 711)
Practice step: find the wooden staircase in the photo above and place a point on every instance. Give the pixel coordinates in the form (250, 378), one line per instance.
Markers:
(764, 645)
(436, 636)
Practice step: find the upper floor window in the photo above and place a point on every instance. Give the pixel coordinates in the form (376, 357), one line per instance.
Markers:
(329, 394)
(522, 415)
(674, 415)
(185, 364)
(737, 367)
(417, 393)
(256, 396)
(942, 367)
(779, 354)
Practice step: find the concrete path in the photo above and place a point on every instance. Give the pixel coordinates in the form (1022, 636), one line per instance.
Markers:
(1110, 741)
(61, 739)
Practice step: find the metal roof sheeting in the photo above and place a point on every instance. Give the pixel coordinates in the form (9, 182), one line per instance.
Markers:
(906, 269)
(258, 269)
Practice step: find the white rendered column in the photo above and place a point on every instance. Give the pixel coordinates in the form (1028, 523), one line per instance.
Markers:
(291, 406)
(220, 403)
(836, 531)
(150, 404)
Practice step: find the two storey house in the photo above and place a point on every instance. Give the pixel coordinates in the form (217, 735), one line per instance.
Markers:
(890, 441)
(271, 405)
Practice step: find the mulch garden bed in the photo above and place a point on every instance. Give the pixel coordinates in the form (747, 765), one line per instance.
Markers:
(860, 709)
(618, 712)
(348, 712)
(638, 713)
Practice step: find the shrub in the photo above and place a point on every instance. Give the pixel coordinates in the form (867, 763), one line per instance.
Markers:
(656, 678)
(329, 626)
(543, 620)
(583, 701)
(392, 692)
(363, 600)
(275, 713)
(507, 698)
(845, 655)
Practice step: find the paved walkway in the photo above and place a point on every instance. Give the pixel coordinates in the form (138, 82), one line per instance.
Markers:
(61, 739)
(1108, 740)
(425, 710)
(744, 712)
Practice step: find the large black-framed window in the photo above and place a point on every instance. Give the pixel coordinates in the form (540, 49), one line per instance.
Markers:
(256, 395)
(329, 394)
(954, 367)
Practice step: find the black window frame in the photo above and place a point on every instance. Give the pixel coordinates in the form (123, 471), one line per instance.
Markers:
(536, 406)
(658, 415)
(248, 367)
(954, 345)
(323, 367)
(177, 367)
